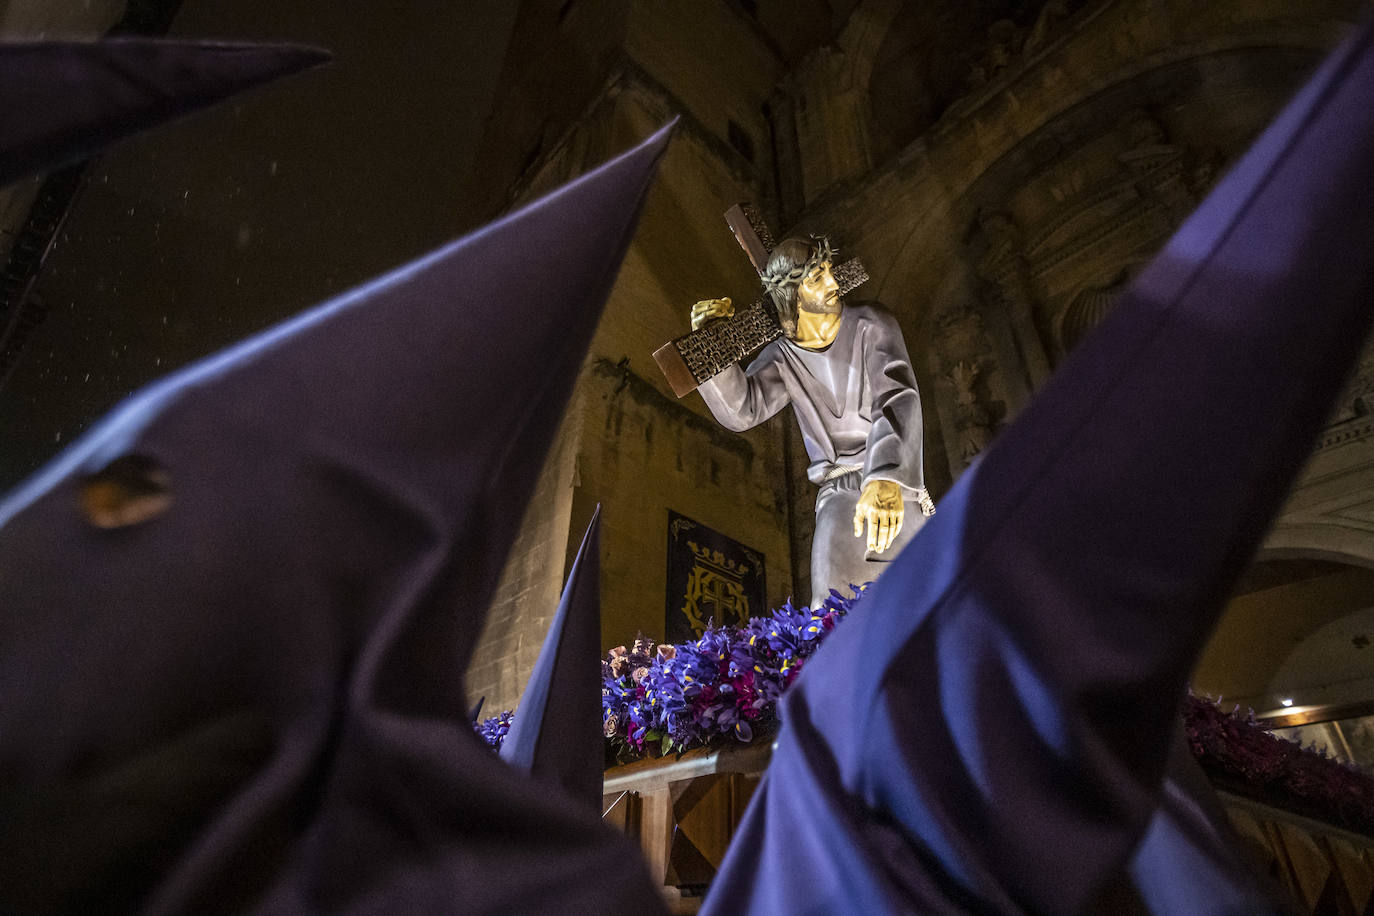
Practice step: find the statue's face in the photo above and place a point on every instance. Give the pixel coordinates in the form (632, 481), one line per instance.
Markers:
(818, 292)
(818, 309)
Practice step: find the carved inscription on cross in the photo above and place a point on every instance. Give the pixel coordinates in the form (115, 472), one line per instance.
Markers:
(693, 358)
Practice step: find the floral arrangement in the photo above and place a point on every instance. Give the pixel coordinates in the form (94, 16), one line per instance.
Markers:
(1242, 756)
(726, 684)
(657, 699)
(493, 730)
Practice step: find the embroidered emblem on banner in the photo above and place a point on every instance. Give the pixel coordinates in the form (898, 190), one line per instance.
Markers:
(711, 577)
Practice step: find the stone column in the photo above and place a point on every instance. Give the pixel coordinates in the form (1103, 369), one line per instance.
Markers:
(1004, 266)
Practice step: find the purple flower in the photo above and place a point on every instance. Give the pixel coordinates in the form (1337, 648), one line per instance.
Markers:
(494, 729)
(1238, 749)
(725, 684)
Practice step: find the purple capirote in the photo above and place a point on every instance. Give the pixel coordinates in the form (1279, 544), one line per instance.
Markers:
(556, 735)
(254, 701)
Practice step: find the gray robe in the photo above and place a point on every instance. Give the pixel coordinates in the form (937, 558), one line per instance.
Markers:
(857, 405)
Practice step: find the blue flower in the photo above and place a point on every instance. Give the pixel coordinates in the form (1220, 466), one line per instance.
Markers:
(722, 684)
(493, 730)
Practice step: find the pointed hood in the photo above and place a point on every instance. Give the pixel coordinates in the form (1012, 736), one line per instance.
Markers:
(556, 733)
(61, 101)
(1004, 697)
(298, 539)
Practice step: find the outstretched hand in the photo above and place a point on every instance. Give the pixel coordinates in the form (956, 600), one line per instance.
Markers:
(880, 505)
(707, 309)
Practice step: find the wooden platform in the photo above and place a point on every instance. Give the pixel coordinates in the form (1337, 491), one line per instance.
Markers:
(684, 811)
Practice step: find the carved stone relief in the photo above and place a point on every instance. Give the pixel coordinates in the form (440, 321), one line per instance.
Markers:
(971, 418)
(965, 360)
(1163, 171)
(1009, 45)
(1046, 23)
(1357, 399)
(1004, 47)
(960, 336)
(1100, 231)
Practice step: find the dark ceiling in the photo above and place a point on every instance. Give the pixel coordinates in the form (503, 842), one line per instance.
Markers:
(200, 233)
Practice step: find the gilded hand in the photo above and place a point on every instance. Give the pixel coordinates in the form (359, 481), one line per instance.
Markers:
(708, 309)
(880, 505)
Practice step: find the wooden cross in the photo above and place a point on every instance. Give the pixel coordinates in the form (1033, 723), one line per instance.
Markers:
(693, 358)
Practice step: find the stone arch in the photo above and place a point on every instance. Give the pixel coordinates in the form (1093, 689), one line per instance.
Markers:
(930, 203)
(1311, 660)
(901, 98)
(1333, 543)
(863, 35)
(1268, 643)
(1066, 122)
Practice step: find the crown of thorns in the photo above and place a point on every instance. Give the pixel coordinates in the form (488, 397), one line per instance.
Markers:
(782, 279)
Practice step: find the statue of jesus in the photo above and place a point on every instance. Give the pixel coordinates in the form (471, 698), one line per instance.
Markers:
(845, 371)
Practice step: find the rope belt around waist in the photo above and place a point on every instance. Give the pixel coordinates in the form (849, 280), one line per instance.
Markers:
(841, 470)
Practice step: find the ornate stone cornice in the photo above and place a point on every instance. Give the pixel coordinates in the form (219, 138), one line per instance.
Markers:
(1347, 432)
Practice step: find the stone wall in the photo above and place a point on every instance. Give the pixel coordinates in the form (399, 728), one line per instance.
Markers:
(531, 582)
(635, 448)
(560, 55)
